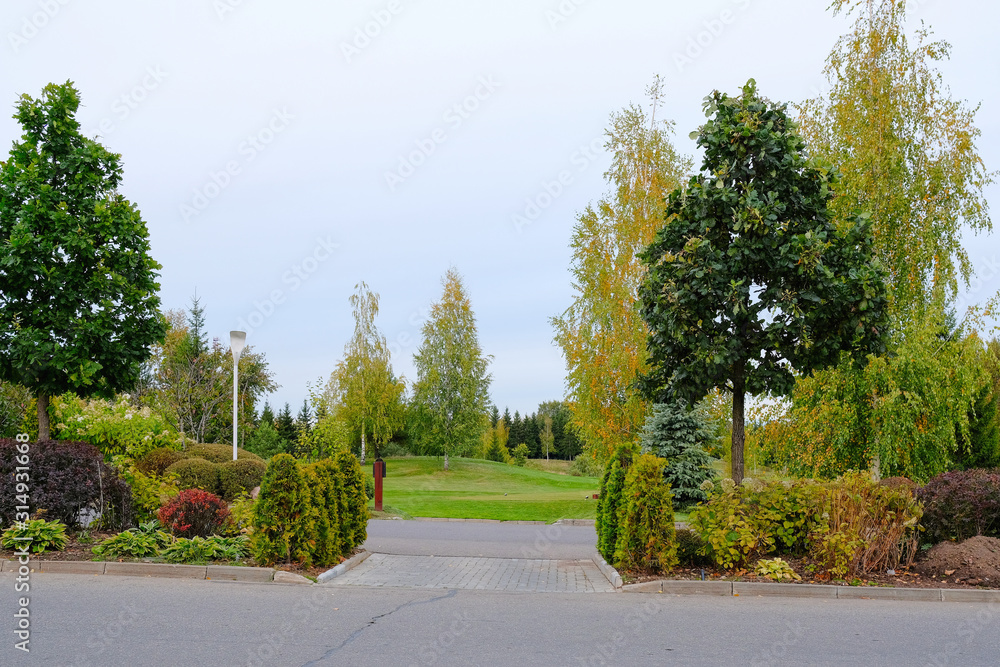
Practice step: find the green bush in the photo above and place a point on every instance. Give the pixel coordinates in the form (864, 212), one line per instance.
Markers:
(584, 465)
(114, 427)
(322, 480)
(610, 500)
(646, 539)
(521, 455)
(369, 486)
(217, 453)
(141, 542)
(149, 492)
(281, 514)
(204, 549)
(353, 506)
(240, 476)
(689, 547)
(41, 536)
(155, 462)
(196, 473)
(680, 436)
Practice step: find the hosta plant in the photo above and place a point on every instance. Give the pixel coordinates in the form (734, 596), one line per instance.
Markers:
(142, 542)
(203, 549)
(776, 568)
(40, 536)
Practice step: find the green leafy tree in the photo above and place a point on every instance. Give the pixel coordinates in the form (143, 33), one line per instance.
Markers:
(80, 307)
(369, 395)
(906, 150)
(451, 394)
(546, 437)
(679, 436)
(14, 402)
(750, 278)
(602, 336)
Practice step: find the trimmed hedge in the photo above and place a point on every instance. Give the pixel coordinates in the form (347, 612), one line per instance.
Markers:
(238, 476)
(217, 453)
(313, 514)
(196, 473)
(65, 480)
(155, 462)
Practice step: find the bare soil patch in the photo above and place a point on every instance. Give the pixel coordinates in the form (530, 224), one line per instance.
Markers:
(976, 561)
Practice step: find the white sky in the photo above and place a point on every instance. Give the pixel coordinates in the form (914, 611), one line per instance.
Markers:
(182, 88)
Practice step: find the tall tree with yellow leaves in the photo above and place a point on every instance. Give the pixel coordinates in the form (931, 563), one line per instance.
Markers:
(905, 149)
(602, 336)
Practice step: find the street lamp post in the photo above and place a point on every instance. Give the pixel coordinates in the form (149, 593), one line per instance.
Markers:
(237, 340)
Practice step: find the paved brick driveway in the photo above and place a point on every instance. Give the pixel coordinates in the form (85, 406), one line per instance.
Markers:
(495, 574)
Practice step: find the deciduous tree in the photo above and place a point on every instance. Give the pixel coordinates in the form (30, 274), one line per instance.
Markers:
(451, 394)
(906, 150)
(602, 336)
(750, 278)
(79, 307)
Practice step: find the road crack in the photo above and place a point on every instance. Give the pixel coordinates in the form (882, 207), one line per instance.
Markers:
(375, 619)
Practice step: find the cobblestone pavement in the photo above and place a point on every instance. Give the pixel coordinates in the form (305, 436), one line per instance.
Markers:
(493, 574)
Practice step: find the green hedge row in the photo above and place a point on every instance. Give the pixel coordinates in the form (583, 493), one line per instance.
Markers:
(313, 514)
(208, 467)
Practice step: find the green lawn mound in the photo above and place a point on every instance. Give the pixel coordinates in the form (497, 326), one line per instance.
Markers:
(474, 489)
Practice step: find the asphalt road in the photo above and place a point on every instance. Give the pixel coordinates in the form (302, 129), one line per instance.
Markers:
(490, 540)
(134, 622)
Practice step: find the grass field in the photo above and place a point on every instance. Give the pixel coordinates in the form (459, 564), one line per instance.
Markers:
(474, 489)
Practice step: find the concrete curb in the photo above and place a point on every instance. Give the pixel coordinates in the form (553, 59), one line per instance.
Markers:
(574, 522)
(764, 589)
(168, 570)
(610, 573)
(338, 570)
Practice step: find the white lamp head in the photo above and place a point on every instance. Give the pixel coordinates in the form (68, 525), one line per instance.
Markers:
(237, 341)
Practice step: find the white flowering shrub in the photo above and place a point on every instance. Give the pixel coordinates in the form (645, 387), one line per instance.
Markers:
(114, 427)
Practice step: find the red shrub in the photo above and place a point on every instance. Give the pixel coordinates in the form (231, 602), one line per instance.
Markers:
(961, 504)
(194, 513)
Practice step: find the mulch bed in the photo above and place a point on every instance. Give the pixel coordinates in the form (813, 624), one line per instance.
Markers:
(972, 564)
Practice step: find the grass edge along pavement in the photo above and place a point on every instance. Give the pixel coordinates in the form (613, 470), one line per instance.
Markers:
(418, 486)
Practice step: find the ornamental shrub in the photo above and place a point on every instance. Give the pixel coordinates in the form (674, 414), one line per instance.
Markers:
(156, 461)
(217, 453)
(204, 549)
(322, 480)
(680, 436)
(281, 513)
(69, 481)
(646, 538)
(149, 492)
(194, 512)
(38, 534)
(610, 500)
(369, 486)
(689, 547)
(140, 542)
(353, 505)
(240, 476)
(114, 427)
(961, 504)
(196, 473)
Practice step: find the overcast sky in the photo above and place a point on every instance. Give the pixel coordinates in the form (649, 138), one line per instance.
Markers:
(282, 152)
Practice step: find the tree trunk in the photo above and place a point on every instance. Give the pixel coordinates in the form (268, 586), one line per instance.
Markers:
(446, 459)
(736, 454)
(362, 445)
(43, 417)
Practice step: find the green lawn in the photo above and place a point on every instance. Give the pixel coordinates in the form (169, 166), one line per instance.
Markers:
(474, 489)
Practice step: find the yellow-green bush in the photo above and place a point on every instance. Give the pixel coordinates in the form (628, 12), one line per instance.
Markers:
(195, 473)
(240, 476)
(217, 453)
(646, 538)
(281, 514)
